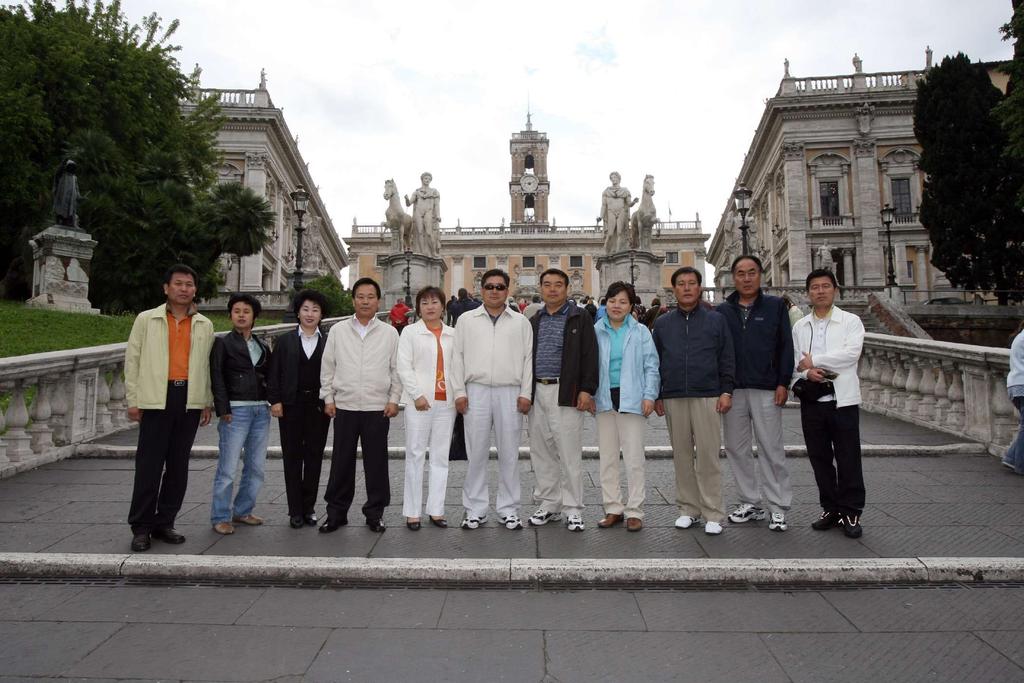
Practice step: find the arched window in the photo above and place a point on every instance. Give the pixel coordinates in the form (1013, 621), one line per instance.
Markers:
(529, 162)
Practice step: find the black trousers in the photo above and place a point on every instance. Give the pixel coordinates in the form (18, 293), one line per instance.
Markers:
(161, 462)
(351, 427)
(832, 436)
(303, 437)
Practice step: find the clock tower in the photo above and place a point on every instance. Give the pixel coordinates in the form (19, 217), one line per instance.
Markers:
(529, 188)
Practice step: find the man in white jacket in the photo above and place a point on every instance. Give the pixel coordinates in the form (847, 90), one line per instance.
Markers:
(827, 344)
(492, 377)
(360, 389)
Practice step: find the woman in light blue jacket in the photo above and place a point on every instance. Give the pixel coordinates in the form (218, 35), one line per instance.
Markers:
(629, 384)
(1014, 458)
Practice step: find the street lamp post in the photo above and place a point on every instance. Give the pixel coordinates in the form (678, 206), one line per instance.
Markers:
(408, 268)
(300, 203)
(632, 267)
(887, 215)
(742, 196)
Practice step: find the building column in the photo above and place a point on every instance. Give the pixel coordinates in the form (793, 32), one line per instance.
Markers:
(849, 279)
(251, 267)
(458, 274)
(921, 267)
(873, 266)
(796, 209)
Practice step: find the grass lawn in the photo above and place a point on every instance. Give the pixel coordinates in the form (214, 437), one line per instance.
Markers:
(25, 330)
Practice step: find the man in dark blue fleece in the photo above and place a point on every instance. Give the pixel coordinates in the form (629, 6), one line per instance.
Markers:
(763, 342)
(697, 371)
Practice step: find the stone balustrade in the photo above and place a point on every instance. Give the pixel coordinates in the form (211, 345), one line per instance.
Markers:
(851, 83)
(78, 395)
(532, 229)
(954, 388)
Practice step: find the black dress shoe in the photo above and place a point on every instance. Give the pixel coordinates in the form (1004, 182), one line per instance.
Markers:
(828, 520)
(309, 519)
(140, 542)
(296, 522)
(412, 526)
(332, 525)
(168, 535)
(443, 523)
(376, 525)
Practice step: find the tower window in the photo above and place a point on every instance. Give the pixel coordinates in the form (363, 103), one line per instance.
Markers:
(529, 262)
(575, 261)
(901, 196)
(529, 162)
(829, 194)
(671, 257)
(528, 201)
(479, 261)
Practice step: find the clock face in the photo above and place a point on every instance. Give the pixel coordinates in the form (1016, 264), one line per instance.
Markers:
(528, 183)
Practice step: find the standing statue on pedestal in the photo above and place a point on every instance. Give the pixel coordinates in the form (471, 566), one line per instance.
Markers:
(397, 219)
(644, 219)
(825, 259)
(66, 196)
(615, 204)
(426, 215)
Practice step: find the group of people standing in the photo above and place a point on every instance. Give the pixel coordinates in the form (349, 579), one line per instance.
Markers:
(703, 369)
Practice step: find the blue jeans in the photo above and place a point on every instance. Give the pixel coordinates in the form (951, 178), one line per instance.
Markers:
(1015, 454)
(248, 431)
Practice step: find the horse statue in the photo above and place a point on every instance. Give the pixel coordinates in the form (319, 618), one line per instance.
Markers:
(396, 218)
(643, 219)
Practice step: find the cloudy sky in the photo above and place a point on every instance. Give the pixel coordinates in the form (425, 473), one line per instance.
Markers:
(675, 89)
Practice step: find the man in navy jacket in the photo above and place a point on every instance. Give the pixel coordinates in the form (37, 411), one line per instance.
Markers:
(697, 371)
(763, 342)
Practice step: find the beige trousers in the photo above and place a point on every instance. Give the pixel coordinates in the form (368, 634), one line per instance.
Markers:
(556, 452)
(625, 432)
(695, 432)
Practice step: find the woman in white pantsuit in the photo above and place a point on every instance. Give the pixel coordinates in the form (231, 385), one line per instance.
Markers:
(424, 358)
(628, 386)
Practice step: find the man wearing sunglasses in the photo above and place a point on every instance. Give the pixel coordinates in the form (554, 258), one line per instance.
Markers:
(492, 377)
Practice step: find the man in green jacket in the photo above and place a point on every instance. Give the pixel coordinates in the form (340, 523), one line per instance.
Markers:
(167, 383)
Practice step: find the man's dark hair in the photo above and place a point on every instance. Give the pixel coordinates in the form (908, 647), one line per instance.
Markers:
(616, 288)
(312, 296)
(426, 293)
(820, 272)
(555, 271)
(463, 294)
(239, 297)
(686, 270)
(537, 299)
(366, 281)
(746, 257)
(604, 300)
(183, 269)
(494, 272)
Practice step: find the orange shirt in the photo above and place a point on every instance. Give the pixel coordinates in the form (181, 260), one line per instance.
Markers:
(179, 343)
(440, 386)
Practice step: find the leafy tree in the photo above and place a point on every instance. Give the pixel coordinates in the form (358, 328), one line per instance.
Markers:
(969, 204)
(1010, 111)
(83, 82)
(339, 299)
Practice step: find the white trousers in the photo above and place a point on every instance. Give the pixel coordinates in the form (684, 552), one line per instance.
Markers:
(427, 429)
(755, 408)
(556, 452)
(622, 432)
(492, 407)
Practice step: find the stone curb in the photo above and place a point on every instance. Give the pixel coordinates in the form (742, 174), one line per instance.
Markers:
(90, 450)
(589, 572)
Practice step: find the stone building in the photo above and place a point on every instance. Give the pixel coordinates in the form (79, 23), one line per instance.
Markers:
(828, 154)
(529, 244)
(258, 150)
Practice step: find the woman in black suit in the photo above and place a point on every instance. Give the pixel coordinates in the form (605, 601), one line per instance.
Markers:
(293, 391)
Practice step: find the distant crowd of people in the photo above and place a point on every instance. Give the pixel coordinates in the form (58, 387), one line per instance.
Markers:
(466, 368)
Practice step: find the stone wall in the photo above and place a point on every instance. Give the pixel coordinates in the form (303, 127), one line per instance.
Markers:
(968, 324)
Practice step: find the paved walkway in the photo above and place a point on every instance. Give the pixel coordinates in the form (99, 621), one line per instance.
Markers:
(88, 630)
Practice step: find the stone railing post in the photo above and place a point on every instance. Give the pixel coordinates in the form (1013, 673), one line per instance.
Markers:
(59, 405)
(118, 410)
(913, 382)
(956, 414)
(886, 358)
(941, 393)
(3, 443)
(103, 422)
(1003, 413)
(40, 432)
(926, 405)
(899, 381)
(18, 441)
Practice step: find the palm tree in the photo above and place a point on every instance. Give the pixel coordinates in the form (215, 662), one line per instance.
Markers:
(240, 219)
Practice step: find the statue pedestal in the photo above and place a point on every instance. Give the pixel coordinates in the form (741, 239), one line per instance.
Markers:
(61, 258)
(646, 272)
(422, 271)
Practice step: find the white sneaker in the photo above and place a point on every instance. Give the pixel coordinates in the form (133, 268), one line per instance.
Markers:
(542, 517)
(746, 512)
(712, 528)
(512, 522)
(574, 523)
(685, 521)
(778, 522)
(473, 522)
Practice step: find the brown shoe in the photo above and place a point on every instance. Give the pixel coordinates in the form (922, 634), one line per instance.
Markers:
(634, 524)
(224, 528)
(609, 521)
(248, 520)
